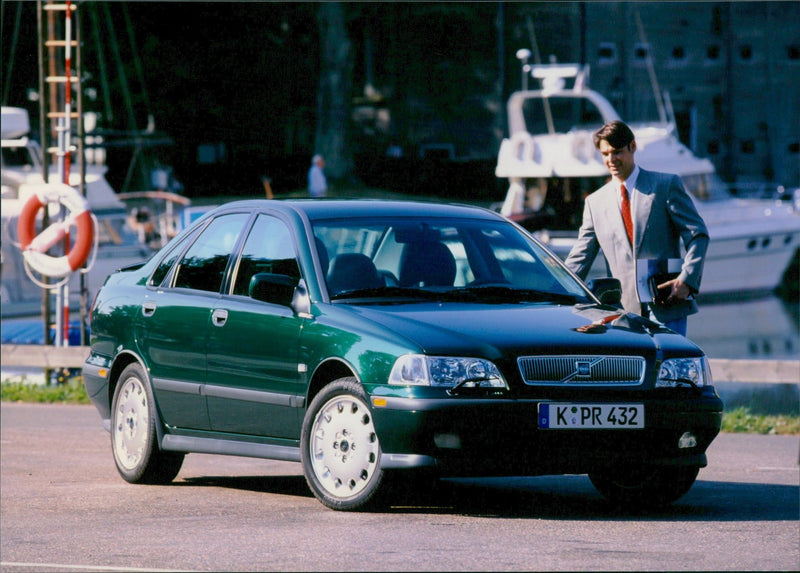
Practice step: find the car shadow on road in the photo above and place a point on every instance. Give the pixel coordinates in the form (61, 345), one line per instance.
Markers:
(551, 497)
(282, 485)
(574, 497)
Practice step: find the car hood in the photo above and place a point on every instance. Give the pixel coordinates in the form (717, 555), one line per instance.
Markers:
(495, 330)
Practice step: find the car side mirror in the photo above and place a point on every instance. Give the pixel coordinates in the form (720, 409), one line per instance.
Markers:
(607, 290)
(273, 288)
(301, 302)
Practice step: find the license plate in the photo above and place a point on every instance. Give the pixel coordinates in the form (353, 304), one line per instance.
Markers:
(591, 416)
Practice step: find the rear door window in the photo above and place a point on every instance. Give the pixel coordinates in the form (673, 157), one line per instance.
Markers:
(203, 266)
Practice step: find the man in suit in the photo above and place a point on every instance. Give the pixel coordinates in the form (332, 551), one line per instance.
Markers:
(660, 214)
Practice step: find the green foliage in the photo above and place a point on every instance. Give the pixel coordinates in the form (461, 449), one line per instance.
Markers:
(741, 420)
(70, 392)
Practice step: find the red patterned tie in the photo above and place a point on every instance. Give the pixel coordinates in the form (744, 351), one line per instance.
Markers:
(626, 213)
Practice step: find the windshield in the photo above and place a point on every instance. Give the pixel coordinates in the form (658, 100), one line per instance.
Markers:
(442, 259)
(565, 113)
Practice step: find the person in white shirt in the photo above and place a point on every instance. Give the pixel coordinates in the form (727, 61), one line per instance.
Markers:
(317, 182)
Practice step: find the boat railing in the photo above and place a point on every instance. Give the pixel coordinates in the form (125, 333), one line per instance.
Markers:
(761, 190)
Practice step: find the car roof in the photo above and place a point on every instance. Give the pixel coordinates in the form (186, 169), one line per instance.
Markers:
(315, 209)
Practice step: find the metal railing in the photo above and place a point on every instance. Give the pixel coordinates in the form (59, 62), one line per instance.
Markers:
(723, 370)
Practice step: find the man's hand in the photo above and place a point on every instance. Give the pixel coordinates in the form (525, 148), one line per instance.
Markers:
(679, 291)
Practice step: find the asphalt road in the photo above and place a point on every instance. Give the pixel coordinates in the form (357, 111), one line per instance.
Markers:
(64, 507)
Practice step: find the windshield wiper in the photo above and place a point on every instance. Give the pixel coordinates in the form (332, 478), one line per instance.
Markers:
(388, 292)
(495, 293)
(490, 294)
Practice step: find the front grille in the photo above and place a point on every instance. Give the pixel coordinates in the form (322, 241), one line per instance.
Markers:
(582, 370)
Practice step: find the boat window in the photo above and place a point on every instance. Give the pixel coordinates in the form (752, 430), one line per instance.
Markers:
(567, 114)
(679, 55)
(17, 157)
(114, 230)
(641, 52)
(713, 53)
(696, 185)
(607, 53)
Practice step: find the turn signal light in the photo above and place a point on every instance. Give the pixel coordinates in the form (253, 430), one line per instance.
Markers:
(687, 440)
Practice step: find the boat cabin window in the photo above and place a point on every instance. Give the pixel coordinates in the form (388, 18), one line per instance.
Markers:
(556, 203)
(21, 156)
(113, 229)
(706, 187)
(641, 52)
(607, 53)
(697, 185)
(567, 114)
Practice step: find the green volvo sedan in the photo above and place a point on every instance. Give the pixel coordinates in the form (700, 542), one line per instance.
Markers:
(377, 341)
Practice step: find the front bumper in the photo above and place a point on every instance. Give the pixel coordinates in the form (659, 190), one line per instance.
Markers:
(492, 437)
(95, 379)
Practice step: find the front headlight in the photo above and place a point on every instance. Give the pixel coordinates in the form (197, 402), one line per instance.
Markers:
(677, 372)
(446, 372)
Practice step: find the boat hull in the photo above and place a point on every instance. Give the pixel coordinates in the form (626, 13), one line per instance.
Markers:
(742, 264)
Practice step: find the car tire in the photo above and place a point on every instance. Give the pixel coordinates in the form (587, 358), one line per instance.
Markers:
(339, 448)
(134, 441)
(647, 487)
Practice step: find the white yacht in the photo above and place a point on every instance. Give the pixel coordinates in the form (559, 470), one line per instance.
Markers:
(551, 164)
(118, 244)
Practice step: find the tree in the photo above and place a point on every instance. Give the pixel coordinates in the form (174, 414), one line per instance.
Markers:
(335, 87)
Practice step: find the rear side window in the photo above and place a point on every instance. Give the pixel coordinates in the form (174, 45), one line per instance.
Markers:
(203, 266)
(163, 268)
(268, 249)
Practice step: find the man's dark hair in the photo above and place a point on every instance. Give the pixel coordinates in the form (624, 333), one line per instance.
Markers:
(616, 133)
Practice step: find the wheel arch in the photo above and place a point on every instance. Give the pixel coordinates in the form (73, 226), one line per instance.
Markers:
(121, 362)
(328, 371)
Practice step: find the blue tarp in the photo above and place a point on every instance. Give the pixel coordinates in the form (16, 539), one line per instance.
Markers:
(31, 331)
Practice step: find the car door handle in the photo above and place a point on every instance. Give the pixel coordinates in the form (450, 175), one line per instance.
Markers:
(219, 317)
(149, 308)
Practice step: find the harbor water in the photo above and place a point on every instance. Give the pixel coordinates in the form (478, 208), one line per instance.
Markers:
(758, 329)
(764, 328)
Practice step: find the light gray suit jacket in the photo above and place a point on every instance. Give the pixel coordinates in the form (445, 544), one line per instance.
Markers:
(663, 216)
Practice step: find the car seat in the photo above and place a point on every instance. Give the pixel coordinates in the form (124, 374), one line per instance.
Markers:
(427, 263)
(352, 271)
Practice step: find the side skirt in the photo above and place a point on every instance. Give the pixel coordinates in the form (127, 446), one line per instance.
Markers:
(192, 444)
(204, 445)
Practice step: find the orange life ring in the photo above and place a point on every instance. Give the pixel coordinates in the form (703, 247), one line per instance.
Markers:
(34, 248)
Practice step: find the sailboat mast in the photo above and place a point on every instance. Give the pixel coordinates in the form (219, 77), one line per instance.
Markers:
(662, 114)
(537, 58)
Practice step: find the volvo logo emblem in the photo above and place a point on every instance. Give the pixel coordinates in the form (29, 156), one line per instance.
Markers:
(583, 368)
